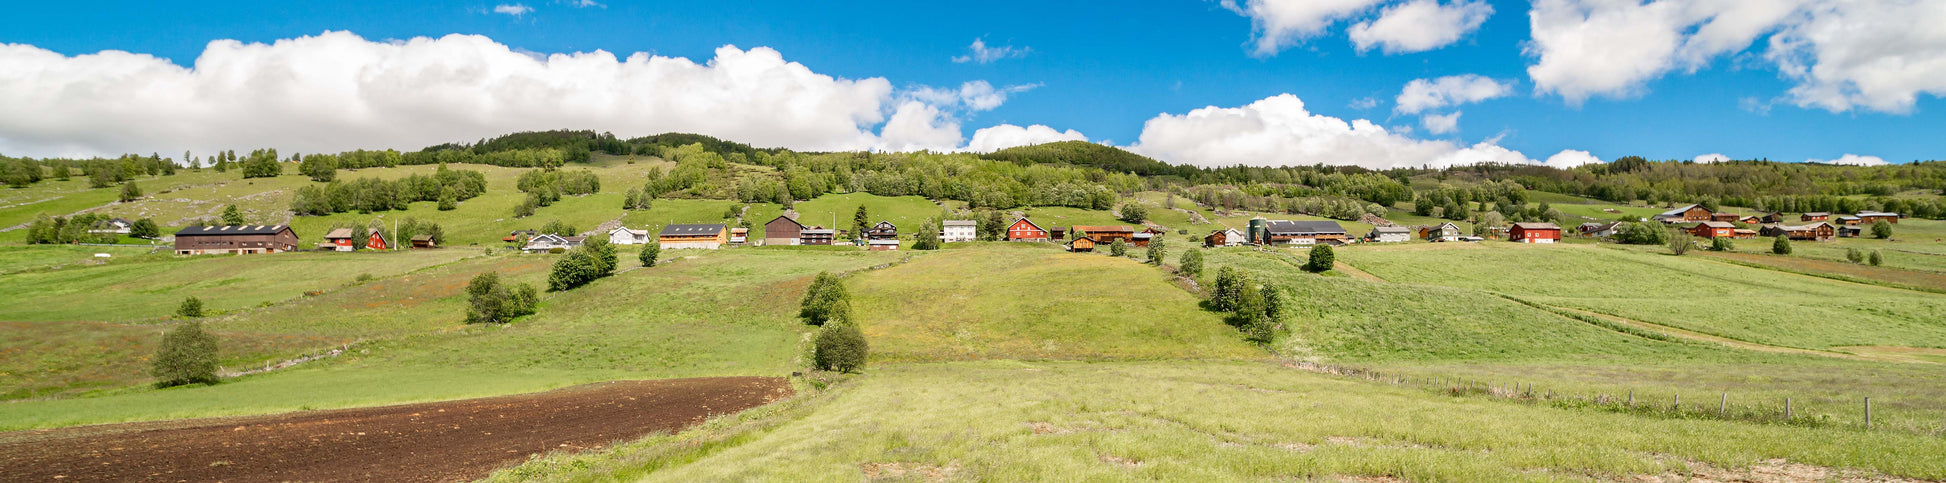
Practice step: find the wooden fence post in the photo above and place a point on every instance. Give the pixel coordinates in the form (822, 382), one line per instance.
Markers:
(1631, 397)
(1787, 408)
(1677, 405)
(1868, 412)
(1723, 407)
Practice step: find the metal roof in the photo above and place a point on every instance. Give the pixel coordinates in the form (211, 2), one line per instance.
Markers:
(961, 223)
(338, 233)
(232, 230)
(1537, 226)
(692, 230)
(1304, 227)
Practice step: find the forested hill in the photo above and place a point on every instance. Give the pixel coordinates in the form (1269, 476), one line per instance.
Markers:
(1083, 153)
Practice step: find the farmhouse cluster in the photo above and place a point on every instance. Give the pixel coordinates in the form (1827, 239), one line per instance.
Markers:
(1703, 222)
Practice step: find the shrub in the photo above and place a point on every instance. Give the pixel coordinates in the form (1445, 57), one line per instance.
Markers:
(1876, 258)
(1721, 244)
(1854, 255)
(1680, 242)
(145, 228)
(1118, 248)
(1228, 288)
(231, 216)
(1321, 259)
(489, 300)
(1191, 264)
(187, 356)
(649, 253)
(592, 260)
(1644, 233)
(191, 308)
(1881, 230)
(1134, 213)
(1157, 251)
(131, 192)
(448, 201)
(1782, 246)
(823, 299)
(840, 347)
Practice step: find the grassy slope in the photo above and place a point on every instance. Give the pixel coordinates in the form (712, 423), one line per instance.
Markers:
(1215, 421)
(1732, 301)
(1032, 301)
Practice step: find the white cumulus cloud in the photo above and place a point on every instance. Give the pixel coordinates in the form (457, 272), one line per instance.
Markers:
(336, 91)
(976, 95)
(1441, 124)
(1841, 54)
(1420, 25)
(1278, 24)
(1007, 135)
(1279, 131)
(1711, 158)
(514, 9)
(1852, 160)
(1569, 158)
(979, 52)
(1453, 90)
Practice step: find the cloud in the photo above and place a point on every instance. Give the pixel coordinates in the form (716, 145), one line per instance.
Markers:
(336, 91)
(1852, 160)
(973, 96)
(1279, 131)
(513, 9)
(1841, 54)
(1007, 135)
(1711, 158)
(1453, 90)
(1440, 124)
(1364, 103)
(980, 53)
(1277, 24)
(1420, 25)
(586, 4)
(1569, 158)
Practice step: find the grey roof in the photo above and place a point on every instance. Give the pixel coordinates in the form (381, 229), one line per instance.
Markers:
(1817, 213)
(692, 230)
(232, 230)
(338, 233)
(1537, 226)
(1304, 227)
(819, 231)
(1391, 229)
(1716, 224)
(1876, 213)
(1678, 211)
(961, 223)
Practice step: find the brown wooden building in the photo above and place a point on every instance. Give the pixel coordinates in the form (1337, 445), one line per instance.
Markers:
(1870, 217)
(784, 231)
(1686, 214)
(1713, 229)
(241, 239)
(1082, 245)
(1104, 233)
(1820, 231)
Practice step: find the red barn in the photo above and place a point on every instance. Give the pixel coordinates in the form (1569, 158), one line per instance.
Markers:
(1023, 230)
(377, 241)
(1713, 229)
(1534, 233)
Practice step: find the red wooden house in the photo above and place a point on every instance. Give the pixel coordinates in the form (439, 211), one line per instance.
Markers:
(1713, 229)
(378, 241)
(1023, 230)
(1534, 233)
(340, 240)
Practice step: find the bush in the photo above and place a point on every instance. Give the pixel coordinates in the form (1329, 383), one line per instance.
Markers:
(1133, 212)
(1877, 258)
(1854, 255)
(592, 260)
(840, 347)
(489, 300)
(649, 253)
(145, 228)
(232, 216)
(1118, 248)
(1157, 251)
(1721, 244)
(1228, 289)
(131, 192)
(1782, 246)
(1881, 230)
(1321, 259)
(1191, 264)
(191, 308)
(187, 356)
(825, 300)
(1644, 233)
(1680, 242)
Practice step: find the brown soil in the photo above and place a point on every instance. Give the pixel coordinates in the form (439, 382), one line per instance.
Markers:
(445, 441)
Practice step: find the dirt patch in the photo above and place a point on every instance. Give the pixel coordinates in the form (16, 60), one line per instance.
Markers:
(896, 470)
(1770, 471)
(1904, 354)
(445, 441)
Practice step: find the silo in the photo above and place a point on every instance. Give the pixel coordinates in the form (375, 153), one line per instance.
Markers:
(1259, 230)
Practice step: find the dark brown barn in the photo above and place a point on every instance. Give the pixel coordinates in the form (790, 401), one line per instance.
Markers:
(207, 240)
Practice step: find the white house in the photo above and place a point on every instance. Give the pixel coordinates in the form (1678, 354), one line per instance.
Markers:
(621, 235)
(1390, 234)
(118, 226)
(959, 231)
(550, 241)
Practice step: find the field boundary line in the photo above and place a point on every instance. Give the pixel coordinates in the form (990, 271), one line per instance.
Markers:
(1695, 336)
(1831, 276)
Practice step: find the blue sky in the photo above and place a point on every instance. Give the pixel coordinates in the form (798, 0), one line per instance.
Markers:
(1100, 68)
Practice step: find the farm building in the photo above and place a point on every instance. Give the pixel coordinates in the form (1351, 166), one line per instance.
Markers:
(1713, 229)
(424, 241)
(739, 235)
(1851, 231)
(1814, 216)
(1870, 217)
(784, 231)
(1024, 230)
(1750, 220)
(1082, 245)
(1390, 234)
(1772, 217)
(1224, 238)
(1847, 220)
(704, 236)
(952, 231)
(550, 241)
(1819, 231)
(1601, 230)
(1534, 233)
(378, 241)
(622, 235)
(1725, 217)
(118, 226)
(340, 239)
(1685, 214)
(1104, 233)
(515, 235)
(1141, 239)
(235, 239)
(1058, 233)
(1442, 232)
(1743, 233)
(816, 235)
(1303, 232)
(883, 236)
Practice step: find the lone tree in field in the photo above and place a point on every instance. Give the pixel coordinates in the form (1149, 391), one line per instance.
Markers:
(1782, 246)
(826, 300)
(1321, 259)
(1133, 212)
(131, 192)
(1118, 248)
(191, 308)
(231, 216)
(187, 356)
(1191, 264)
(1157, 252)
(927, 238)
(489, 300)
(1881, 230)
(1854, 255)
(840, 347)
(649, 252)
(1680, 241)
(1877, 258)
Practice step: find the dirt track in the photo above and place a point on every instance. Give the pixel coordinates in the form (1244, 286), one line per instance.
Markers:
(445, 441)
